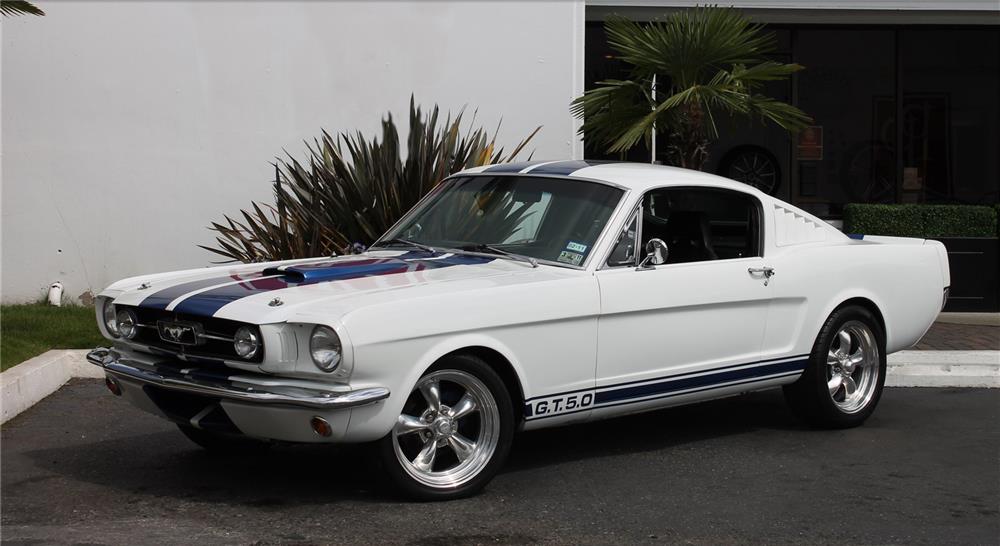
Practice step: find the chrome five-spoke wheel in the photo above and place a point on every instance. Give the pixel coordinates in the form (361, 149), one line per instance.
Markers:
(843, 380)
(852, 367)
(453, 433)
(448, 429)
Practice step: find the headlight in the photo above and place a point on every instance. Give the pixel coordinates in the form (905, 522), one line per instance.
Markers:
(110, 320)
(324, 345)
(246, 342)
(127, 323)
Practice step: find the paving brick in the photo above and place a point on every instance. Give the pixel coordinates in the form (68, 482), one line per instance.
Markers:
(960, 337)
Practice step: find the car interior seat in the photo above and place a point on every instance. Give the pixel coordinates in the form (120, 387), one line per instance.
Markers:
(688, 237)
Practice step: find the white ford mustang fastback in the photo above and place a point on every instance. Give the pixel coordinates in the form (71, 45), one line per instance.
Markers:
(518, 297)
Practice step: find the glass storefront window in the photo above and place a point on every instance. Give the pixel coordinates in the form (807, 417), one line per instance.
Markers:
(847, 87)
(943, 83)
(950, 92)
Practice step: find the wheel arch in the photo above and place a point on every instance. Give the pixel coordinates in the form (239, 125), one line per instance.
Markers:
(868, 304)
(504, 369)
(492, 351)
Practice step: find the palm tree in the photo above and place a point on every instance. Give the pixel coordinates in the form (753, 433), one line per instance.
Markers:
(19, 7)
(707, 61)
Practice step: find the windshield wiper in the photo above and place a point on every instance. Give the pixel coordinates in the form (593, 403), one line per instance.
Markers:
(500, 252)
(406, 242)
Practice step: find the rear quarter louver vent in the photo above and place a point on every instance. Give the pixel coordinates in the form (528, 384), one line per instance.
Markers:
(795, 228)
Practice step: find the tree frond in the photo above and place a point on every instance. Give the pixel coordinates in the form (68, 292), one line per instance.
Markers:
(19, 7)
(689, 43)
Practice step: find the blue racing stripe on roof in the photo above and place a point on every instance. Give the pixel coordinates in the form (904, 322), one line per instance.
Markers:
(511, 167)
(566, 167)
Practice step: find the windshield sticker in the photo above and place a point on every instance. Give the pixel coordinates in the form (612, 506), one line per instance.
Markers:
(572, 258)
(576, 247)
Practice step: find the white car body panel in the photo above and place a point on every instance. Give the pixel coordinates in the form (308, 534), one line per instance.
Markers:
(582, 343)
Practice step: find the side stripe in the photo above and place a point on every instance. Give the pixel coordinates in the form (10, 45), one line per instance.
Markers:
(655, 389)
(672, 394)
(676, 376)
(641, 391)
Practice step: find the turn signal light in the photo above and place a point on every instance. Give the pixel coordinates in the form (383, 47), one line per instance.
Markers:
(321, 427)
(112, 384)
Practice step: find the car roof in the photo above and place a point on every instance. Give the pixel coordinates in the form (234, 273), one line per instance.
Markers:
(633, 176)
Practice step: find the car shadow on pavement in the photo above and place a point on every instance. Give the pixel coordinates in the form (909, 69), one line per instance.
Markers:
(317, 474)
(165, 464)
(656, 430)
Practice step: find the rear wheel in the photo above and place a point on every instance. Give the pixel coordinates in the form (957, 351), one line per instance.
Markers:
(217, 442)
(843, 381)
(453, 434)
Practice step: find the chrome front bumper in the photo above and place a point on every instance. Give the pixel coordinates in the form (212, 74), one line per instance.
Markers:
(254, 389)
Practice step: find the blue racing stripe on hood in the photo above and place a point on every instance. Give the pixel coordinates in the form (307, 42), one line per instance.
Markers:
(209, 302)
(162, 298)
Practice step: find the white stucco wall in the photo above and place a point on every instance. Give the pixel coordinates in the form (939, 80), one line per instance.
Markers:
(128, 126)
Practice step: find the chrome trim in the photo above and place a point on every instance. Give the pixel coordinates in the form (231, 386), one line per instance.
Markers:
(637, 214)
(215, 337)
(241, 388)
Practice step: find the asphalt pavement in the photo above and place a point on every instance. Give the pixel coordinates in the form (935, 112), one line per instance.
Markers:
(83, 467)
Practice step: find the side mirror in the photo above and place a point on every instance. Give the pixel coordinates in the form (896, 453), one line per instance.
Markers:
(656, 254)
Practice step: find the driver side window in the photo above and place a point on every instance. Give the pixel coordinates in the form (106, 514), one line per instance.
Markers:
(702, 224)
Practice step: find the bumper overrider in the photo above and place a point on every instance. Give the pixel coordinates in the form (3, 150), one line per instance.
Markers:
(230, 400)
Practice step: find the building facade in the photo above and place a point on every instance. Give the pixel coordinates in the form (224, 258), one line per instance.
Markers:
(129, 127)
(934, 65)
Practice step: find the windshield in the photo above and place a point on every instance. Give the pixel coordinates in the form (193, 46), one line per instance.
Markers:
(549, 219)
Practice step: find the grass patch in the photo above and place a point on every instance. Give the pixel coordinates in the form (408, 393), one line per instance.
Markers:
(30, 330)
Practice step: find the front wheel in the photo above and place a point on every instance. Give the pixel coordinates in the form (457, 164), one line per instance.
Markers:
(453, 434)
(843, 381)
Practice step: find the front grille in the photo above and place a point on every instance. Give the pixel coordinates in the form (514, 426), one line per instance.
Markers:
(207, 349)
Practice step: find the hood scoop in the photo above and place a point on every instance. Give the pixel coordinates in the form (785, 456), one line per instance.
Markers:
(331, 271)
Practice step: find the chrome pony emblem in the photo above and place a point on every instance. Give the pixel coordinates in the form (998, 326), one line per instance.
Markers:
(184, 333)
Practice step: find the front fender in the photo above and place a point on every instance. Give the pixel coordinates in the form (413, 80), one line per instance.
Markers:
(373, 422)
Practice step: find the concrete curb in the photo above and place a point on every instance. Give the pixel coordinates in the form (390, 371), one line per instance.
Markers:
(28, 382)
(943, 369)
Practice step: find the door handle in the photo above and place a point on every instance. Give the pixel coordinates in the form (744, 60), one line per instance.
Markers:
(768, 272)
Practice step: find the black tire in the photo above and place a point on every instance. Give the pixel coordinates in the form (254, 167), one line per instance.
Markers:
(502, 427)
(229, 444)
(812, 398)
(752, 165)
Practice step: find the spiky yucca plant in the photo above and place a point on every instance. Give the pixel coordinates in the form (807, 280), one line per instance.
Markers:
(707, 61)
(19, 7)
(350, 189)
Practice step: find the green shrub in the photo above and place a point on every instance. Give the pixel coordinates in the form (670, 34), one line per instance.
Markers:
(895, 220)
(921, 220)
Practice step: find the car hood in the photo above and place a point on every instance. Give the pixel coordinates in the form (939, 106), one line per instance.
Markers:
(321, 290)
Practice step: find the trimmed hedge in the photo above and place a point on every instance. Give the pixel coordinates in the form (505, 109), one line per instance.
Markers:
(925, 221)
